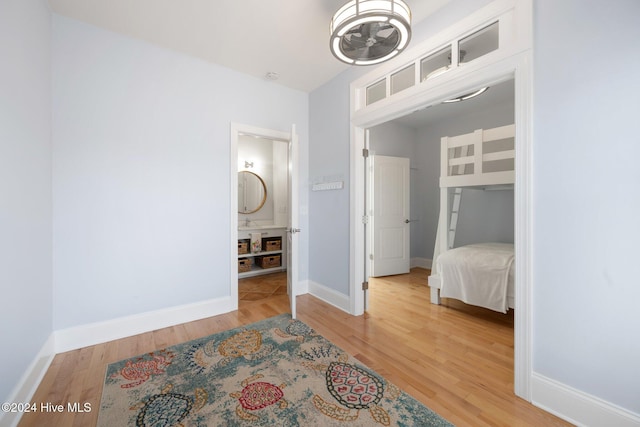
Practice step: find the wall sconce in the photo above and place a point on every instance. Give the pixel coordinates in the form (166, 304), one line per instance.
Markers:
(248, 164)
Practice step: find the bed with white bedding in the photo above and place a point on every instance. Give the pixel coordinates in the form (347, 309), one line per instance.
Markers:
(480, 274)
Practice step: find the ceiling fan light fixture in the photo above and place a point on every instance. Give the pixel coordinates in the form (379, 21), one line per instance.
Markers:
(367, 32)
(404, 34)
(361, 21)
(335, 48)
(379, 60)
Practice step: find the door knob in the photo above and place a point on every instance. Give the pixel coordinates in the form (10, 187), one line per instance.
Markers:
(406, 221)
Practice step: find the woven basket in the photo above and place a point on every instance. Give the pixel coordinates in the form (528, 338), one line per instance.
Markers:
(244, 264)
(268, 261)
(272, 244)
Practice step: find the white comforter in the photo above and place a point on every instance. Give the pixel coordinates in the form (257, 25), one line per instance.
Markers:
(477, 274)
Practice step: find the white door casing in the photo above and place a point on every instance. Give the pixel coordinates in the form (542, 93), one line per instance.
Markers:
(390, 219)
(293, 223)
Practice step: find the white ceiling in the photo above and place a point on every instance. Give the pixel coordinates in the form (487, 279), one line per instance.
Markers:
(289, 37)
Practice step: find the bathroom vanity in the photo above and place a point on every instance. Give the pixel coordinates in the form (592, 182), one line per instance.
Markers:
(270, 258)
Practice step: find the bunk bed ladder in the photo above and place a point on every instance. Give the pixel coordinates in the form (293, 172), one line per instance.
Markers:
(447, 229)
(457, 195)
(453, 221)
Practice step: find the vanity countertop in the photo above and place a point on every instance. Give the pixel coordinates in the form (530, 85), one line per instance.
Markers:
(262, 227)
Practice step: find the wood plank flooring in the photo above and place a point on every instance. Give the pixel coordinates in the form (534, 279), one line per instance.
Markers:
(456, 359)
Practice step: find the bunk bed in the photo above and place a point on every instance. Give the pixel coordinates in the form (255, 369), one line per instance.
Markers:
(480, 274)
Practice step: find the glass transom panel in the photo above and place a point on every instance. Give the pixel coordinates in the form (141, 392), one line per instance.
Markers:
(435, 64)
(479, 43)
(376, 91)
(403, 79)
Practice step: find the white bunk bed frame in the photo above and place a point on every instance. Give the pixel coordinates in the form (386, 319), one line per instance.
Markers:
(457, 154)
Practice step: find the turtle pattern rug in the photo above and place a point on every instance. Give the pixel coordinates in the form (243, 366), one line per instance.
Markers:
(277, 372)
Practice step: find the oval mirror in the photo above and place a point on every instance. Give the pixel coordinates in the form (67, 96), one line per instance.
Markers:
(252, 192)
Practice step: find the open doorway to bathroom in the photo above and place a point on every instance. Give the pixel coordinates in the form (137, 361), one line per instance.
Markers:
(264, 213)
(262, 217)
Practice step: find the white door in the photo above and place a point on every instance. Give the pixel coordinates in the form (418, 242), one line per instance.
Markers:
(390, 228)
(293, 224)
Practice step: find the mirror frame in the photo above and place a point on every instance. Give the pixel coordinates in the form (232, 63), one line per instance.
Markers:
(264, 198)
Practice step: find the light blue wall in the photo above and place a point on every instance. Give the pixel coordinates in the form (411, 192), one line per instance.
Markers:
(25, 186)
(427, 156)
(141, 172)
(587, 197)
(329, 156)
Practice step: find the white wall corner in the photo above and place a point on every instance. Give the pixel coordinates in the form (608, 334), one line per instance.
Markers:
(303, 287)
(421, 263)
(99, 332)
(29, 382)
(578, 407)
(330, 296)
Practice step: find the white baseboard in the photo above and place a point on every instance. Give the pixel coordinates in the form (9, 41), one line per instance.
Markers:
(421, 262)
(578, 407)
(100, 332)
(28, 384)
(330, 296)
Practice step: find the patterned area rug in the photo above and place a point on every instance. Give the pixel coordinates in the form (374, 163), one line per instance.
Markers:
(277, 372)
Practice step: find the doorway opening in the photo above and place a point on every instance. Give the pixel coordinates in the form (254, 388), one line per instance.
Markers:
(516, 69)
(263, 216)
(415, 140)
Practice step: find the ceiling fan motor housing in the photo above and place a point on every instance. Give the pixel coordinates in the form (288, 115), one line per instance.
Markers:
(367, 32)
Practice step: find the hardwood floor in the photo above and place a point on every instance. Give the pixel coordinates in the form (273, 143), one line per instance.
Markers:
(456, 359)
(260, 287)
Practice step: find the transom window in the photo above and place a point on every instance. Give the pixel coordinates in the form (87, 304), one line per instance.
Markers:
(457, 53)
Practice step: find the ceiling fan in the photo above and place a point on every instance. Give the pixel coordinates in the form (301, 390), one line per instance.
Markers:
(370, 41)
(366, 32)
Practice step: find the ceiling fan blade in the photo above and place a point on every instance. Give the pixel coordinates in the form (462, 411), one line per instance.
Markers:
(391, 40)
(364, 52)
(376, 50)
(356, 43)
(382, 27)
(355, 30)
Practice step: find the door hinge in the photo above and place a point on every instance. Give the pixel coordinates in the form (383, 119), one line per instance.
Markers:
(365, 286)
(365, 219)
(371, 257)
(365, 152)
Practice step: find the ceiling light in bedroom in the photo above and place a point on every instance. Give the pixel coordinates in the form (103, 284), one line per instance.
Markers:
(367, 32)
(466, 96)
